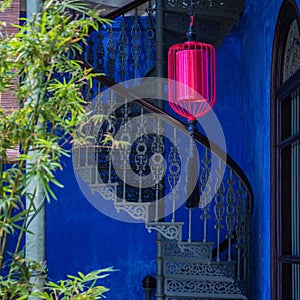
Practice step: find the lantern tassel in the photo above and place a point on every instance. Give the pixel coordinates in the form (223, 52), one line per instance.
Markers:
(192, 173)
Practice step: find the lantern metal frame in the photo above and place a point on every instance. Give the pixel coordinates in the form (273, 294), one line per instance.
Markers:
(192, 75)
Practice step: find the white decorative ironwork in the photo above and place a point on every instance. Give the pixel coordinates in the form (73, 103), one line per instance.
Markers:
(158, 166)
(125, 133)
(157, 161)
(170, 230)
(174, 171)
(149, 153)
(141, 157)
(85, 172)
(107, 191)
(138, 211)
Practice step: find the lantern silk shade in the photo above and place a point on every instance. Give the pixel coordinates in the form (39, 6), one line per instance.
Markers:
(192, 74)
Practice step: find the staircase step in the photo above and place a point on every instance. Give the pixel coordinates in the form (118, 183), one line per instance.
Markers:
(190, 273)
(201, 289)
(194, 271)
(227, 268)
(187, 252)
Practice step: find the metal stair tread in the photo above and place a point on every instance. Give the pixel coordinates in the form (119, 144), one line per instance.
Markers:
(201, 278)
(196, 252)
(196, 271)
(205, 289)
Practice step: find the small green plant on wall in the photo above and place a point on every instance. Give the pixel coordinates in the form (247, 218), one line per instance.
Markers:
(49, 111)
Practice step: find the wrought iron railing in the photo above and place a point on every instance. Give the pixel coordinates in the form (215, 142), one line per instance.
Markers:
(126, 49)
(147, 177)
(158, 147)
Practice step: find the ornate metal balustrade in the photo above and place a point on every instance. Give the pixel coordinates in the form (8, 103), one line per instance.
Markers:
(147, 179)
(125, 50)
(202, 252)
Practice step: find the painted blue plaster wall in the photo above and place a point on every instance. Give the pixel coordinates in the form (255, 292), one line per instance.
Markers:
(256, 33)
(80, 238)
(246, 123)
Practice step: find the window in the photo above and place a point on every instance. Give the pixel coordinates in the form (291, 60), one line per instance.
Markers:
(285, 159)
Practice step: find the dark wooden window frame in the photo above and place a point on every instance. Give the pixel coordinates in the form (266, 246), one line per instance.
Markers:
(279, 91)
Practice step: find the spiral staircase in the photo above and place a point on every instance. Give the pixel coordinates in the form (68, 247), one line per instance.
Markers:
(202, 249)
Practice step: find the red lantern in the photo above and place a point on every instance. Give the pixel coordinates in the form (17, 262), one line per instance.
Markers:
(192, 71)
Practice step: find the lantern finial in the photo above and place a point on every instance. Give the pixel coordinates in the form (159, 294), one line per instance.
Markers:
(191, 34)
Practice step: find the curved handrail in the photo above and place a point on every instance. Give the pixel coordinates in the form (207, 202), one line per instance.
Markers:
(173, 121)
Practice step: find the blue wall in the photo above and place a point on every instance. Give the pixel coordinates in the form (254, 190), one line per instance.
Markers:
(257, 33)
(80, 238)
(249, 144)
(245, 117)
